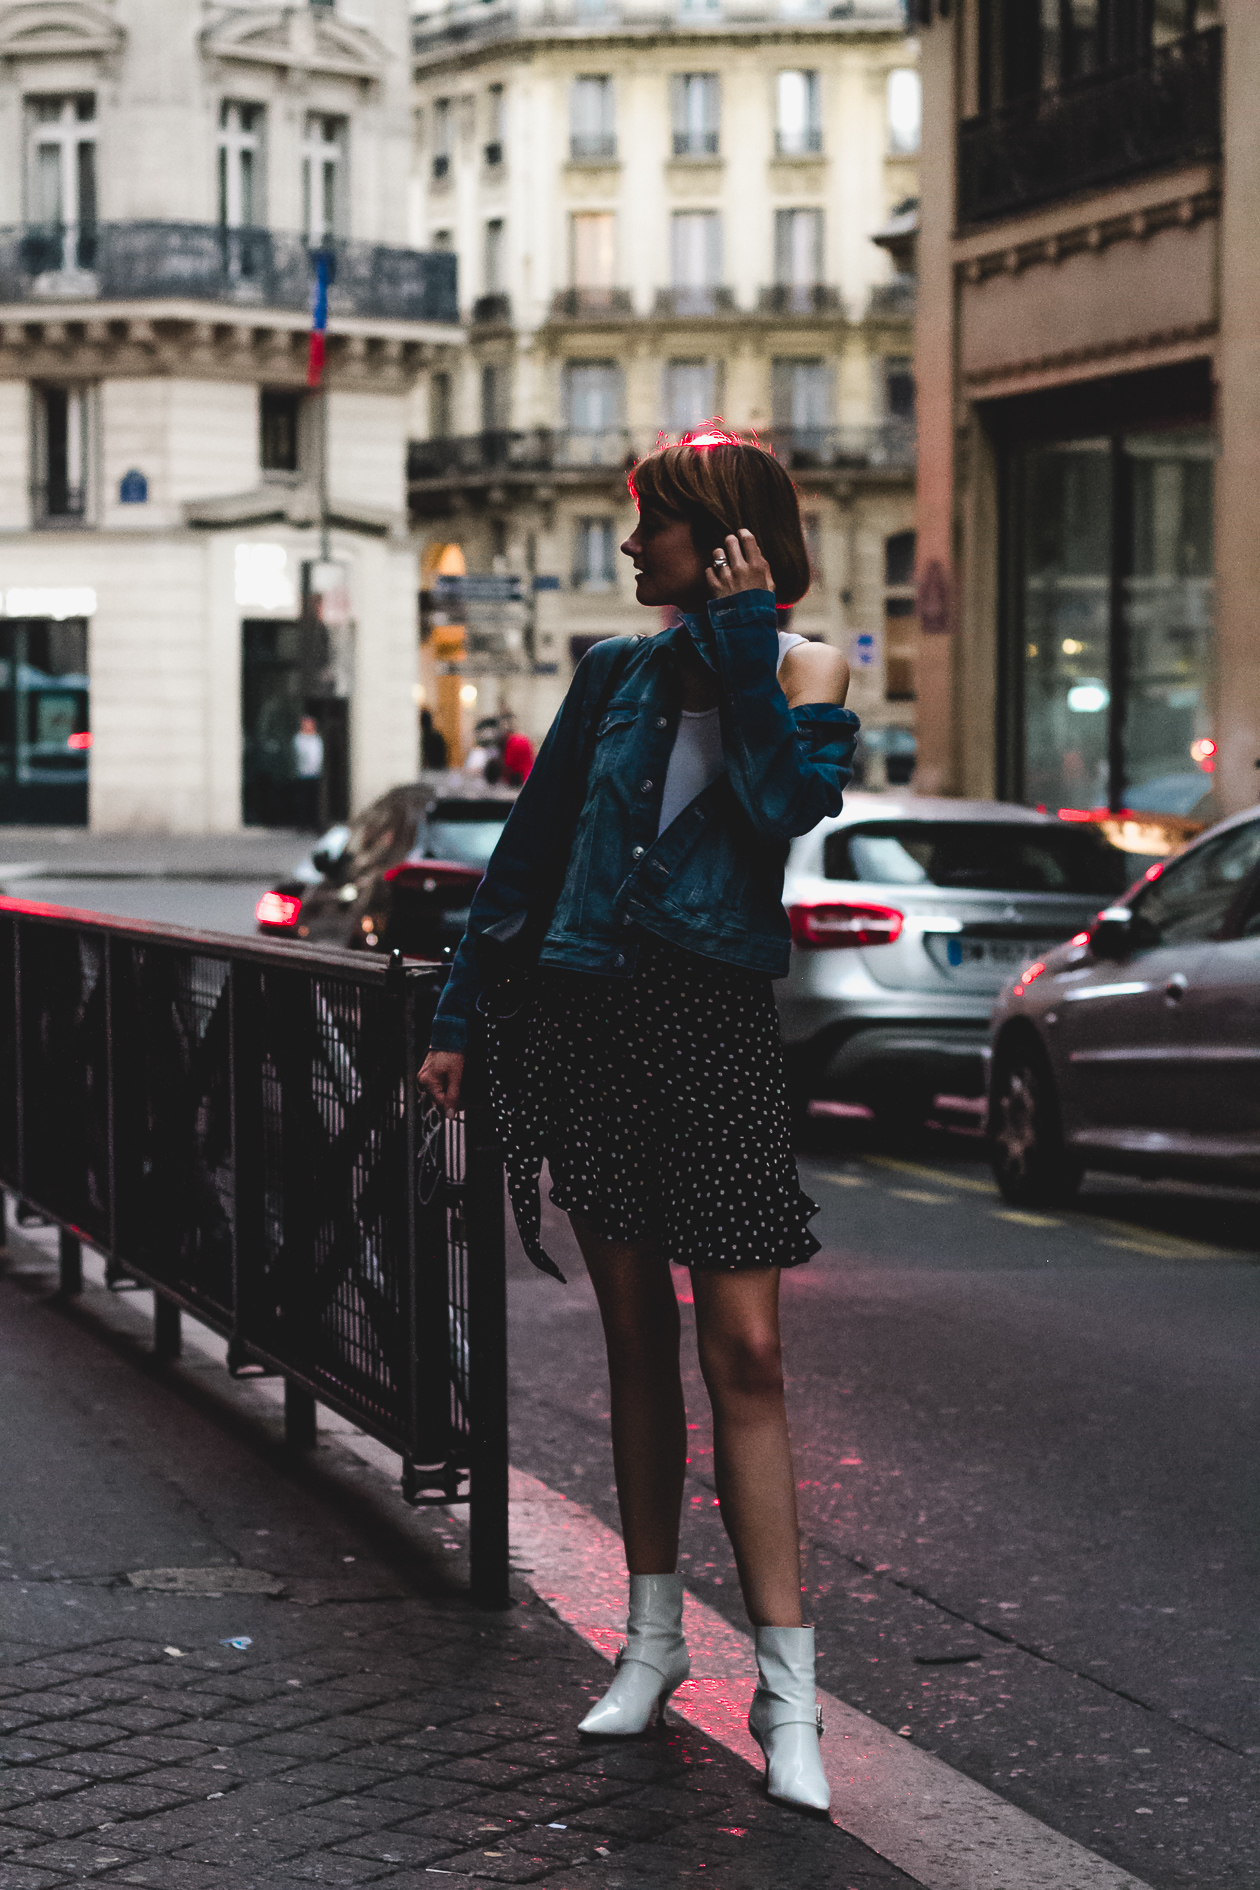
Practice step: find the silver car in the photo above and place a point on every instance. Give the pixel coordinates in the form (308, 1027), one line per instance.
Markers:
(1136, 1047)
(908, 917)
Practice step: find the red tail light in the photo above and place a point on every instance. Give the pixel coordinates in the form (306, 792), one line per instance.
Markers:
(826, 927)
(277, 908)
(435, 875)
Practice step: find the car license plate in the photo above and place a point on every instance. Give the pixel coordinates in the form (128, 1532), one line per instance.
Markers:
(1001, 954)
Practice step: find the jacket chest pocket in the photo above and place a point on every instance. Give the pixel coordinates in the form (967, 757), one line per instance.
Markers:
(612, 740)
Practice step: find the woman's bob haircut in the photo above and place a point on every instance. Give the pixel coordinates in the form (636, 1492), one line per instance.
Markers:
(720, 483)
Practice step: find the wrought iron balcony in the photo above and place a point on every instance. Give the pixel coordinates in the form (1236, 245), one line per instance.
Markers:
(894, 300)
(593, 147)
(537, 450)
(799, 298)
(1164, 111)
(691, 302)
(862, 446)
(492, 308)
(201, 262)
(575, 305)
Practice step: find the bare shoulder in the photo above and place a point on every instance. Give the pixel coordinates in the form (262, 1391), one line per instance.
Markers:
(813, 672)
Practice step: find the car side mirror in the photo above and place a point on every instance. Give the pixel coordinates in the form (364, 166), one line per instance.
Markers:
(1111, 934)
(330, 853)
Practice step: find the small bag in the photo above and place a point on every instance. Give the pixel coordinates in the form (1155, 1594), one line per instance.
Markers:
(508, 951)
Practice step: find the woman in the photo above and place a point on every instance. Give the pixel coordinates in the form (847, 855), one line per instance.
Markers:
(645, 1062)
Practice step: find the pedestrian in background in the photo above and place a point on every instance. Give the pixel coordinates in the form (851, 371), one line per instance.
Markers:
(432, 744)
(621, 949)
(308, 776)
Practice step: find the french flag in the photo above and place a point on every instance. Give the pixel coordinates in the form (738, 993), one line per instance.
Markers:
(319, 318)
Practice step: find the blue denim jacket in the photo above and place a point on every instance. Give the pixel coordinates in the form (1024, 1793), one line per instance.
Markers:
(713, 881)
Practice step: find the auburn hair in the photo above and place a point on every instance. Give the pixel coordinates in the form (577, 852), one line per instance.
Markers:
(719, 483)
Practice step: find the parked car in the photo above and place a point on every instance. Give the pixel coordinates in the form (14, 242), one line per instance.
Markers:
(402, 876)
(1136, 1046)
(908, 916)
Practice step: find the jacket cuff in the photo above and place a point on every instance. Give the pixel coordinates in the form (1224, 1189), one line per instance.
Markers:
(743, 608)
(449, 1033)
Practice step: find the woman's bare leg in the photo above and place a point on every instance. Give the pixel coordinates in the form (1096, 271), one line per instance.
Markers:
(649, 1419)
(737, 1320)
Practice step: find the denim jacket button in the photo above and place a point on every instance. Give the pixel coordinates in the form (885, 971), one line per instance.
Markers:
(636, 853)
(662, 721)
(620, 961)
(645, 787)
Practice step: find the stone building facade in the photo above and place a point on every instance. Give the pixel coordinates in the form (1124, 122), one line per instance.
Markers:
(661, 215)
(194, 551)
(1088, 365)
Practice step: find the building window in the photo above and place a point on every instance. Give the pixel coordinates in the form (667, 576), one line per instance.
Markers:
(279, 417)
(495, 256)
(592, 126)
(811, 529)
(900, 623)
(592, 253)
(240, 166)
(798, 248)
(440, 406)
(696, 104)
(495, 125)
(905, 111)
(442, 137)
(324, 179)
(899, 386)
(495, 396)
(1108, 679)
(61, 186)
(690, 394)
(695, 259)
(800, 393)
(799, 118)
(593, 401)
(593, 552)
(61, 455)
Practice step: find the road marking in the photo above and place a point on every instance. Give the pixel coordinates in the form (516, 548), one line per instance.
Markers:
(921, 1194)
(1020, 1218)
(843, 1181)
(910, 1807)
(943, 1179)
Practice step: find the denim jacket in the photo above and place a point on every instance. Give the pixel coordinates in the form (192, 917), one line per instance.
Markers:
(713, 881)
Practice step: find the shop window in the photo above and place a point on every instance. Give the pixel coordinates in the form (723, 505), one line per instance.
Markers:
(593, 554)
(44, 726)
(61, 183)
(280, 426)
(60, 493)
(1107, 700)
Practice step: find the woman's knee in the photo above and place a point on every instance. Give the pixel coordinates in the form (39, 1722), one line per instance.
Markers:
(744, 1363)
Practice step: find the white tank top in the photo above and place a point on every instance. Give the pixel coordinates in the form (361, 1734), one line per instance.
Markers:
(696, 757)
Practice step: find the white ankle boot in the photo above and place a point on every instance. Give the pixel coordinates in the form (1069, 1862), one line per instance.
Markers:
(651, 1664)
(785, 1718)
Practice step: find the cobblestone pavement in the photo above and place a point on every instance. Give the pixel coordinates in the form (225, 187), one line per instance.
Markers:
(377, 1728)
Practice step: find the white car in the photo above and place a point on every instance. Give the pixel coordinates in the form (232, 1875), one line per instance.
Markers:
(908, 917)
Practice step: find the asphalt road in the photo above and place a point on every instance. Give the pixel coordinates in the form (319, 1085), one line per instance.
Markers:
(1026, 1448)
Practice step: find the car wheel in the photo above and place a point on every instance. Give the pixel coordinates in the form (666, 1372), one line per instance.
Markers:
(1031, 1161)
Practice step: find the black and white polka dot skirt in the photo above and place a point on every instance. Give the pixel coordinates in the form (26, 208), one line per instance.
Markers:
(660, 1105)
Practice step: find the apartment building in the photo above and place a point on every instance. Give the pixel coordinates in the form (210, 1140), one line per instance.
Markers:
(1088, 368)
(195, 551)
(661, 214)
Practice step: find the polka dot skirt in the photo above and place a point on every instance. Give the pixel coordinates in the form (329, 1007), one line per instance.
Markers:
(659, 1102)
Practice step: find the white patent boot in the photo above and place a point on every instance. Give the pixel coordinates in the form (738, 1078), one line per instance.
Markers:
(651, 1664)
(786, 1720)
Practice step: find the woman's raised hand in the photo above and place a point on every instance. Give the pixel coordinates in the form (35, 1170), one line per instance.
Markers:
(738, 566)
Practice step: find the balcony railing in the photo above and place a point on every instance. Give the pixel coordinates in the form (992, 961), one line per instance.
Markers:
(593, 147)
(492, 308)
(895, 299)
(684, 302)
(799, 298)
(613, 450)
(201, 262)
(572, 305)
(1097, 131)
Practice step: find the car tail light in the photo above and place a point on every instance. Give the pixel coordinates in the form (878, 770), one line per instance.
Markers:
(825, 927)
(277, 908)
(432, 876)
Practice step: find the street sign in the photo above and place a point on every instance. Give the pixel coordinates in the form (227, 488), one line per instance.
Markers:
(479, 588)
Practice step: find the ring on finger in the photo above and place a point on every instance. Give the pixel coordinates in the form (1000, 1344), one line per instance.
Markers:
(719, 558)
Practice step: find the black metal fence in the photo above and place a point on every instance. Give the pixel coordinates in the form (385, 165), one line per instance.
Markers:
(1161, 111)
(236, 1124)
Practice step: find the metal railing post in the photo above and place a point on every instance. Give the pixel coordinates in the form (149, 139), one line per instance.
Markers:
(487, 1295)
(70, 1263)
(168, 1338)
(299, 1417)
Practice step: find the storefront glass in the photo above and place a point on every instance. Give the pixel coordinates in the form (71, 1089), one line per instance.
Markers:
(1115, 621)
(44, 739)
